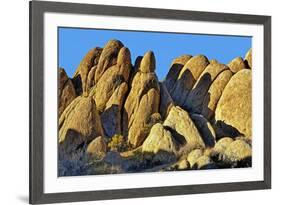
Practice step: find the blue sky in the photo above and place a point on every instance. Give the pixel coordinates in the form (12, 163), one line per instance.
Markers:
(74, 43)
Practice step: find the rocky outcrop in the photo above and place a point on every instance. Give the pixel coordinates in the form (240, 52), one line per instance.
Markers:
(196, 96)
(183, 129)
(205, 129)
(159, 140)
(142, 102)
(214, 93)
(115, 117)
(87, 67)
(81, 118)
(234, 110)
(188, 76)
(66, 91)
(108, 57)
(175, 69)
(237, 151)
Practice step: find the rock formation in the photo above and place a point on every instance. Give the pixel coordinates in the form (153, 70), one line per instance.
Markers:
(115, 117)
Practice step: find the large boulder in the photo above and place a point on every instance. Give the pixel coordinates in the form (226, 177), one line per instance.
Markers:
(87, 64)
(66, 91)
(111, 116)
(179, 123)
(237, 64)
(205, 129)
(142, 102)
(112, 78)
(189, 74)
(159, 140)
(97, 147)
(108, 57)
(237, 151)
(195, 98)
(81, 120)
(174, 71)
(214, 93)
(234, 110)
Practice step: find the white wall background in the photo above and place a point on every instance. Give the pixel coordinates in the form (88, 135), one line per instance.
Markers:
(14, 100)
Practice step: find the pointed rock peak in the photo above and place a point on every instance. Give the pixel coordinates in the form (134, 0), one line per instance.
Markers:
(148, 62)
(248, 57)
(124, 56)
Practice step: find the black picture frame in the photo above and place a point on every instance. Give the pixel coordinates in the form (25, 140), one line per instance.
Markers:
(37, 10)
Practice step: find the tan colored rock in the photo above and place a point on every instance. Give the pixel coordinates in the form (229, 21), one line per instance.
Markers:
(112, 78)
(108, 57)
(158, 140)
(90, 59)
(97, 147)
(142, 102)
(193, 156)
(174, 71)
(180, 122)
(194, 100)
(187, 78)
(91, 78)
(237, 150)
(183, 164)
(166, 101)
(248, 58)
(66, 91)
(205, 129)
(203, 161)
(234, 110)
(141, 123)
(214, 93)
(81, 120)
(237, 64)
(111, 116)
(147, 64)
(222, 144)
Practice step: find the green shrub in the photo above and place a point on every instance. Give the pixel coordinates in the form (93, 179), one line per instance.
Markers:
(118, 143)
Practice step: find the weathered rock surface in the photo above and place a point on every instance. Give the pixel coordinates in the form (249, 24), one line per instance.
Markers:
(111, 117)
(214, 93)
(174, 71)
(193, 156)
(237, 151)
(222, 144)
(188, 76)
(142, 102)
(196, 96)
(89, 61)
(166, 101)
(179, 123)
(97, 147)
(82, 119)
(248, 58)
(237, 64)
(112, 78)
(66, 91)
(205, 129)
(108, 57)
(159, 139)
(234, 110)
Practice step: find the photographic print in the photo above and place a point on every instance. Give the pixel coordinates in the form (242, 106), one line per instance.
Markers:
(144, 101)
